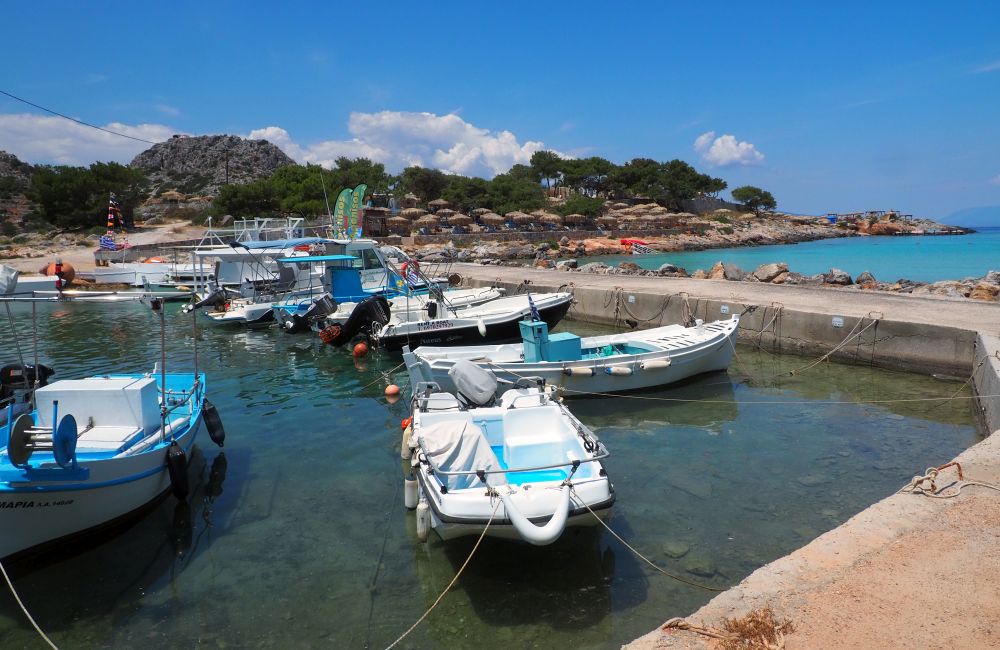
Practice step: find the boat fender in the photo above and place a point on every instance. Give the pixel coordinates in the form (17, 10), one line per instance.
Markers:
(655, 364)
(410, 492)
(423, 521)
(538, 535)
(405, 451)
(620, 371)
(177, 467)
(213, 423)
(481, 326)
(580, 372)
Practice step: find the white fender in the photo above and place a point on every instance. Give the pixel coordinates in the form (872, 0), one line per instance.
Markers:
(539, 535)
(405, 451)
(621, 371)
(576, 370)
(655, 364)
(481, 326)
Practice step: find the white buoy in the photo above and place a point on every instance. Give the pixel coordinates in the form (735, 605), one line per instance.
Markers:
(404, 450)
(410, 493)
(423, 521)
(621, 371)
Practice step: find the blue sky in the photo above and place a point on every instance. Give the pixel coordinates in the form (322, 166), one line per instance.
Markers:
(831, 106)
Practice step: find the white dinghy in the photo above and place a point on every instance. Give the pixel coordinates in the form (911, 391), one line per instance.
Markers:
(521, 467)
(595, 364)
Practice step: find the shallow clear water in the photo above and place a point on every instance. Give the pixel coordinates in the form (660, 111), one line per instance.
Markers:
(300, 538)
(927, 258)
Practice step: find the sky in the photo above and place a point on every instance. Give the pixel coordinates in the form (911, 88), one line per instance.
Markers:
(833, 107)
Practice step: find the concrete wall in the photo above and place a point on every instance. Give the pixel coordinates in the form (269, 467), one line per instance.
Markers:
(986, 378)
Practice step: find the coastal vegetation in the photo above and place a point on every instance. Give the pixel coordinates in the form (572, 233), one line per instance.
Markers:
(78, 196)
(754, 198)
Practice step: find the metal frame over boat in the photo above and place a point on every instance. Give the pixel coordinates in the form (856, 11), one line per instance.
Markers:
(522, 465)
(594, 364)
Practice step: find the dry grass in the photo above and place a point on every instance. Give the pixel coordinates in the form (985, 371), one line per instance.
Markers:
(758, 630)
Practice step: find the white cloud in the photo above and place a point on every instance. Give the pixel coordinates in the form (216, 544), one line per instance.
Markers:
(45, 139)
(400, 139)
(726, 150)
(989, 67)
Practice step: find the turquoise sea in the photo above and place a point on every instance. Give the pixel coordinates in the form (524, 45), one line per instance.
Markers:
(923, 258)
(297, 537)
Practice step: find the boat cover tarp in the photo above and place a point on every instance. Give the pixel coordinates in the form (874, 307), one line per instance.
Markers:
(8, 280)
(281, 243)
(460, 446)
(475, 383)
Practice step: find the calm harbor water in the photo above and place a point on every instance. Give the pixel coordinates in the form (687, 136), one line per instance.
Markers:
(297, 536)
(926, 258)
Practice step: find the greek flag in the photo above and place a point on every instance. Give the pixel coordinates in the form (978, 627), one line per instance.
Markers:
(534, 310)
(108, 243)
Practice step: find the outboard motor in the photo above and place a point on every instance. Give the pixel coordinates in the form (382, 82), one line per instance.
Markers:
(371, 312)
(17, 377)
(216, 297)
(474, 385)
(318, 310)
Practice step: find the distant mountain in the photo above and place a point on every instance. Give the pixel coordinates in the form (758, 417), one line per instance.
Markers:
(203, 164)
(988, 215)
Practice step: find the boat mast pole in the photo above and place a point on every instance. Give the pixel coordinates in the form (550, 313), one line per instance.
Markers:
(157, 305)
(34, 339)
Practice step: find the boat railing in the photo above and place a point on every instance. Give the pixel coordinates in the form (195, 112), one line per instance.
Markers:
(600, 453)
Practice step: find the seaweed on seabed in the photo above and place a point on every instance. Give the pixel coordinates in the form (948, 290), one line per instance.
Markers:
(758, 630)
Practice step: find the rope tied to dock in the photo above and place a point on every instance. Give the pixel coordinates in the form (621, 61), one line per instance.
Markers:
(24, 609)
(450, 584)
(926, 485)
(642, 557)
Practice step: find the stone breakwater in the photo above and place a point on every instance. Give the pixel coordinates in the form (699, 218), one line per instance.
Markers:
(985, 288)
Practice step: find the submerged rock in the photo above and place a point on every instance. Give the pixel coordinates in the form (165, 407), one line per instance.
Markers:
(676, 548)
(812, 480)
(700, 565)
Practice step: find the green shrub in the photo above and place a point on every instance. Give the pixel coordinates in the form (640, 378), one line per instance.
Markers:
(721, 219)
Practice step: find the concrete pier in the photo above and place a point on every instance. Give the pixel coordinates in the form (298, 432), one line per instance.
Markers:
(909, 571)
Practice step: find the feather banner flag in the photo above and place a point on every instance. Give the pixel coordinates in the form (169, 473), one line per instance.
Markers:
(354, 222)
(340, 211)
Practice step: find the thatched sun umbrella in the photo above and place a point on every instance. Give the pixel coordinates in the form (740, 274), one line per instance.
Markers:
(607, 220)
(427, 221)
(519, 217)
(478, 212)
(575, 218)
(399, 225)
(459, 219)
(492, 219)
(413, 213)
(438, 203)
(554, 219)
(445, 212)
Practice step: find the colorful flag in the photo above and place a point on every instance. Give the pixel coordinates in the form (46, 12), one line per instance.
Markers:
(108, 242)
(354, 222)
(340, 211)
(534, 310)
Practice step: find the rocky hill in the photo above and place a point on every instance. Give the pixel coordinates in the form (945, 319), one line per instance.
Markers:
(202, 164)
(15, 175)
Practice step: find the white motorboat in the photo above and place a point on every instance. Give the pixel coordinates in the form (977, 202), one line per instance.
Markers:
(496, 320)
(136, 274)
(523, 465)
(593, 364)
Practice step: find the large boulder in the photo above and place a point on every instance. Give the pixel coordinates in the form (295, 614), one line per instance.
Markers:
(797, 278)
(866, 280)
(672, 271)
(700, 274)
(566, 265)
(768, 272)
(595, 267)
(544, 263)
(629, 267)
(950, 288)
(838, 277)
(985, 291)
(993, 277)
(726, 271)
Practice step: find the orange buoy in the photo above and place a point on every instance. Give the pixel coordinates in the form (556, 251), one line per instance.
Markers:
(67, 270)
(405, 422)
(391, 390)
(153, 260)
(361, 349)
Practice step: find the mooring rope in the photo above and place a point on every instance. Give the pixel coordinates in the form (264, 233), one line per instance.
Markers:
(383, 375)
(640, 555)
(678, 623)
(926, 485)
(25, 609)
(453, 580)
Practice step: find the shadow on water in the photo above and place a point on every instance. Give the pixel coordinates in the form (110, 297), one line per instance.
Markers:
(109, 571)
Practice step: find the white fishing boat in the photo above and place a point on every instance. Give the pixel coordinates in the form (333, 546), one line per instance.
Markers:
(593, 364)
(496, 320)
(523, 465)
(91, 452)
(136, 274)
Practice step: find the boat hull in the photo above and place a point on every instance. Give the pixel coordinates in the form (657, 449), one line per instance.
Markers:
(454, 331)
